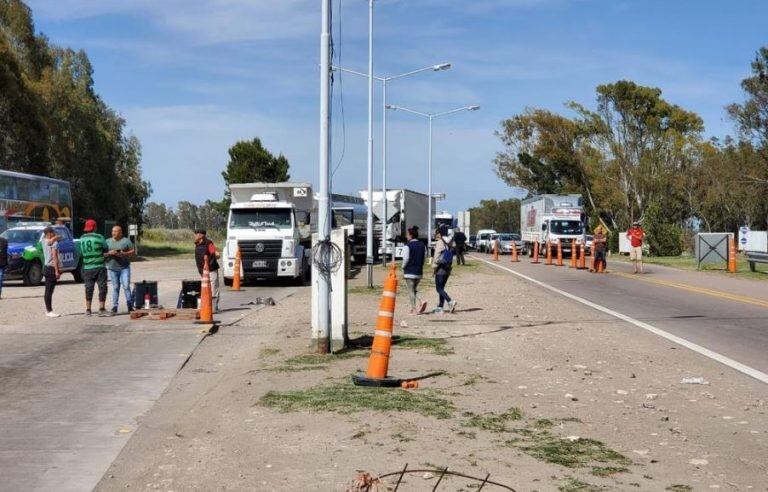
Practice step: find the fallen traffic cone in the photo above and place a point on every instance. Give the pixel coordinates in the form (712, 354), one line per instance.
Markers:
(515, 259)
(574, 254)
(549, 253)
(535, 252)
(583, 257)
(236, 278)
(378, 363)
(732, 255)
(206, 299)
(559, 252)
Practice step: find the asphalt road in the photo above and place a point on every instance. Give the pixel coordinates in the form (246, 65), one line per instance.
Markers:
(72, 389)
(724, 315)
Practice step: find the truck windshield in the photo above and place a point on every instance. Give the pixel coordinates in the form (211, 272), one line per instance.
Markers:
(21, 236)
(273, 218)
(342, 218)
(566, 227)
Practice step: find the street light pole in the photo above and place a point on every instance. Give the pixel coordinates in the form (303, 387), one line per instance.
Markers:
(430, 117)
(384, 200)
(369, 237)
(324, 206)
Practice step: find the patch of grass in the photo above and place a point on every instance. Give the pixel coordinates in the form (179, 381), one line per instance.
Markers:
(153, 249)
(543, 424)
(401, 437)
(581, 452)
(689, 263)
(467, 434)
(267, 352)
(438, 346)
(492, 422)
(572, 484)
(345, 398)
(475, 378)
(680, 488)
(607, 471)
(310, 362)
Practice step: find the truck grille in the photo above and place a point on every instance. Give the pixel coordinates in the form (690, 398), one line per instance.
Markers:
(252, 249)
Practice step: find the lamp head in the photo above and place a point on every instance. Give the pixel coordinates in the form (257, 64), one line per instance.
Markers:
(390, 106)
(441, 66)
(473, 108)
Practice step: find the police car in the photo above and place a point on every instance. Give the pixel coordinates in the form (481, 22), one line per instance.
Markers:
(25, 252)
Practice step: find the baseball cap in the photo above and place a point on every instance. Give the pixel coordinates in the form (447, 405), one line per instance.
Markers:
(90, 225)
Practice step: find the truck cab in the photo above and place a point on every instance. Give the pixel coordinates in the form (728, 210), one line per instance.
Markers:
(564, 225)
(272, 233)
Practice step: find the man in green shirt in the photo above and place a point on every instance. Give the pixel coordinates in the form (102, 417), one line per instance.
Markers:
(119, 249)
(93, 250)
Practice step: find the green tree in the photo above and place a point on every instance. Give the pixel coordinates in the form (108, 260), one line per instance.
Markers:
(501, 215)
(250, 162)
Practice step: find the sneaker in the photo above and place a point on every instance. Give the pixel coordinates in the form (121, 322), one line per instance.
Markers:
(130, 309)
(437, 310)
(452, 306)
(103, 312)
(423, 307)
(88, 312)
(51, 314)
(114, 310)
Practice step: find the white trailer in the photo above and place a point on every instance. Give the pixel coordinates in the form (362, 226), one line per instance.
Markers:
(553, 219)
(270, 223)
(405, 209)
(444, 219)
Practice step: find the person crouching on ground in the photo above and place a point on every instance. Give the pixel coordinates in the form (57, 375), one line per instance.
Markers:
(120, 249)
(205, 247)
(93, 250)
(442, 263)
(414, 255)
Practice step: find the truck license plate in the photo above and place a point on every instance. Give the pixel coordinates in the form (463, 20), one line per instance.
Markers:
(259, 264)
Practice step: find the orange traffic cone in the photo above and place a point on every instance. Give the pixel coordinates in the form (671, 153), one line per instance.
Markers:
(515, 259)
(592, 261)
(583, 257)
(496, 251)
(378, 363)
(574, 253)
(206, 298)
(731, 255)
(549, 253)
(236, 278)
(535, 251)
(559, 252)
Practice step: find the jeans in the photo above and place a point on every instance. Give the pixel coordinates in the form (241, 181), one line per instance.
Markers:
(118, 279)
(50, 283)
(2, 274)
(441, 278)
(600, 256)
(413, 293)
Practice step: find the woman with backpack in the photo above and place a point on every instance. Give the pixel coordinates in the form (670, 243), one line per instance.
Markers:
(442, 263)
(414, 255)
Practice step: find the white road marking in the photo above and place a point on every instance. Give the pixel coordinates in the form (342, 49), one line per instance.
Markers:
(733, 364)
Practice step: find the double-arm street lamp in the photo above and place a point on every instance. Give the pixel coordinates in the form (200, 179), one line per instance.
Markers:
(384, 81)
(430, 117)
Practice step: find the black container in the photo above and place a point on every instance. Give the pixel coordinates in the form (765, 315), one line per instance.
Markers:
(190, 293)
(142, 288)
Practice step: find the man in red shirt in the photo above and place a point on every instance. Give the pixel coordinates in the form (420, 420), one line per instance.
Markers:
(636, 234)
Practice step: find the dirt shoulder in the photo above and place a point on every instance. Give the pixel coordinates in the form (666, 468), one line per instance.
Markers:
(538, 391)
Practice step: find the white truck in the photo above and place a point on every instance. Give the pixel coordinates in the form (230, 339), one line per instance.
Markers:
(270, 223)
(553, 218)
(351, 213)
(444, 219)
(405, 209)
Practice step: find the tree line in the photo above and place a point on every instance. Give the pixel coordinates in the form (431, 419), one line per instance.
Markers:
(636, 156)
(53, 123)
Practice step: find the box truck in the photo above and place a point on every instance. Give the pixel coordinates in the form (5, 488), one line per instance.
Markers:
(553, 219)
(405, 208)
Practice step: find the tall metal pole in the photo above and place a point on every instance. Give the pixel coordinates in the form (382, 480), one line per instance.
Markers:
(384, 221)
(429, 187)
(369, 241)
(324, 206)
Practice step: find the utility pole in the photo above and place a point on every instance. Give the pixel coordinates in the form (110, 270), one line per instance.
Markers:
(324, 205)
(369, 238)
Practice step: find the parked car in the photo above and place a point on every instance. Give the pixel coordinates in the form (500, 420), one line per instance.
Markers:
(509, 240)
(25, 252)
(484, 240)
(472, 243)
(589, 238)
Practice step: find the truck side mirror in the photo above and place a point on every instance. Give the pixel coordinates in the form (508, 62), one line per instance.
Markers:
(544, 227)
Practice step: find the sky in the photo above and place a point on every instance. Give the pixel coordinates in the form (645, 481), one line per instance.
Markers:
(192, 77)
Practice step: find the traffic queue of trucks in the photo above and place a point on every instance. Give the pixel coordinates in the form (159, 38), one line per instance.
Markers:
(552, 219)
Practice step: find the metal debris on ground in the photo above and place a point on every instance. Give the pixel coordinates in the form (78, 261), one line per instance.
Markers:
(267, 301)
(696, 380)
(365, 482)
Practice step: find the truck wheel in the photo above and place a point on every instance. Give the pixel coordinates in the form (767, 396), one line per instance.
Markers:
(78, 273)
(34, 274)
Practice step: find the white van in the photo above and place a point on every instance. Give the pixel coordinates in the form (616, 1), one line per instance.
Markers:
(484, 240)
